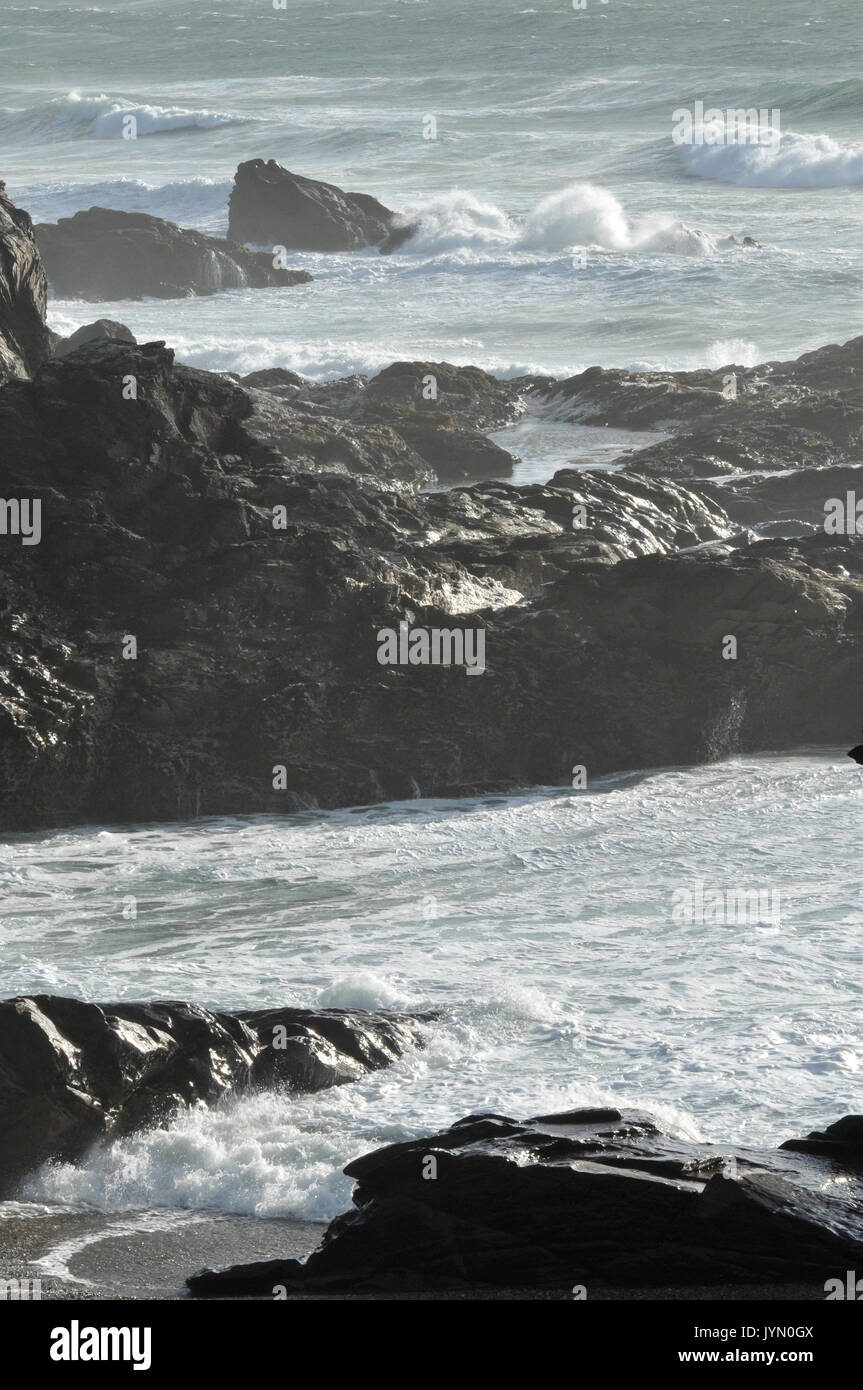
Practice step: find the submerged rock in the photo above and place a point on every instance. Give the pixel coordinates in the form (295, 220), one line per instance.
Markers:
(271, 206)
(579, 1198)
(102, 254)
(24, 338)
(72, 1072)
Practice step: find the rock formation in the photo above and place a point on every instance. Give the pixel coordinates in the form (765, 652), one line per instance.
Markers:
(24, 338)
(254, 550)
(270, 206)
(102, 254)
(103, 330)
(582, 1198)
(73, 1073)
(194, 630)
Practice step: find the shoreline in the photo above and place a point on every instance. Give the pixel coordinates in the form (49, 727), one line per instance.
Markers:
(163, 1259)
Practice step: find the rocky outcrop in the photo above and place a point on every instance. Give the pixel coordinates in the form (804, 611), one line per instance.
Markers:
(809, 409)
(103, 330)
(72, 1073)
(254, 551)
(102, 254)
(270, 206)
(583, 1198)
(24, 338)
(442, 412)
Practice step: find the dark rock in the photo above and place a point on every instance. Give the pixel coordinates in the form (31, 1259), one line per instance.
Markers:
(842, 1141)
(643, 515)
(257, 646)
(473, 398)
(795, 500)
(103, 330)
(270, 206)
(277, 379)
(442, 412)
(24, 339)
(818, 393)
(73, 1073)
(398, 237)
(102, 254)
(577, 1198)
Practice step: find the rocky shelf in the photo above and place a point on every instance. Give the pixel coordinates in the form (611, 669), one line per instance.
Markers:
(575, 1200)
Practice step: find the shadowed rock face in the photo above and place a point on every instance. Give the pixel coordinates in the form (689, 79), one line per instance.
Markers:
(24, 338)
(72, 1073)
(271, 206)
(257, 646)
(102, 254)
(583, 1197)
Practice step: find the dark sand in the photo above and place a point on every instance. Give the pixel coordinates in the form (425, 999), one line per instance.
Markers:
(96, 1256)
(91, 1256)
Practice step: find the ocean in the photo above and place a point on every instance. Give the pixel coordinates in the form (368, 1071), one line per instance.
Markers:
(553, 130)
(561, 228)
(552, 928)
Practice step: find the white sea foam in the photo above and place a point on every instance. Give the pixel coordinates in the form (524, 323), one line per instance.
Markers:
(581, 215)
(794, 161)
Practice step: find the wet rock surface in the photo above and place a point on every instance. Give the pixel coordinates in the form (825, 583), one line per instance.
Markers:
(270, 205)
(255, 549)
(24, 338)
(195, 630)
(578, 1198)
(72, 1073)
(102, 254)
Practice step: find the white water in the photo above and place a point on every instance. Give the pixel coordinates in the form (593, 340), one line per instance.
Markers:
(541, 924)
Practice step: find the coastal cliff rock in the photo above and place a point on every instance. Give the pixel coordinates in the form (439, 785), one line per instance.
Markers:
(24, 338)
(196, 631)
(72, 1073)
(582, 1198)
(270, 206)
(102, 254)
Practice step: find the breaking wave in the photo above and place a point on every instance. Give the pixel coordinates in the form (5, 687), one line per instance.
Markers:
(793, 161)
(102, 118)
(581, 215)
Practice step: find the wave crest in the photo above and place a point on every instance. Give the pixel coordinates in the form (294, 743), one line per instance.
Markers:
(581, 215)
(793, 161)
(102, 118)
